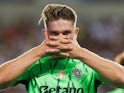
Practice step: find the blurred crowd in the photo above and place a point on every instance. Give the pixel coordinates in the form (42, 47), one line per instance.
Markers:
(17, 38)
(17, 1)
(104, 36)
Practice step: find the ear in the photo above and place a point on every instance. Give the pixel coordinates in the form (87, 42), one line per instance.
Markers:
(76, 33)
(77, 30)
(45, 33)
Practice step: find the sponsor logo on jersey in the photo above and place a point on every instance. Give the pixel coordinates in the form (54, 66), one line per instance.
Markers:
(58, 89)
(61, 74)
(77, 73)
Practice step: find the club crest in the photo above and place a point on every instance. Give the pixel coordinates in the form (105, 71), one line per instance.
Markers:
(77, 73)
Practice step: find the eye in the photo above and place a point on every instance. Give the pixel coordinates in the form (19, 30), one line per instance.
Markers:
(53, 33)
(66, 32)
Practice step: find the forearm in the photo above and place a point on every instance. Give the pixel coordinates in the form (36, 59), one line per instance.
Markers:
(110, 70)
(10, 70)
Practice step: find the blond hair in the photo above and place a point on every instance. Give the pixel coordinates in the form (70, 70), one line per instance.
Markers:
(53, 12)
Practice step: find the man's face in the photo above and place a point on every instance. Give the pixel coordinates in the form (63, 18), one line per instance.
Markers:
(62, 29)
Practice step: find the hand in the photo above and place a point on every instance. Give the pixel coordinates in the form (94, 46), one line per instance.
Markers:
(49, 45)
(70, 48)
(55, 46)
(55, 42)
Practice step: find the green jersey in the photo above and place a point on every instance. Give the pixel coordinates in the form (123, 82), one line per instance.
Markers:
(60, 76)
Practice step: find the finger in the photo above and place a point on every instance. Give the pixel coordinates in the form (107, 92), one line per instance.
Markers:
(65, 41)
(53, 38)
(52, 44)
(45, 34)
(65, 48)
(52, 51)
(64, 54)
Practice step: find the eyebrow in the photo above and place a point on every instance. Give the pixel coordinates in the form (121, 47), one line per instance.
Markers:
(57, 31)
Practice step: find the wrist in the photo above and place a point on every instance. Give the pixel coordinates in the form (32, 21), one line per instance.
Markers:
(38, 51)
(81, 54)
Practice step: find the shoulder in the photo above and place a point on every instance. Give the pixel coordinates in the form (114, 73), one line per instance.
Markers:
(82, 65)
(40, 61)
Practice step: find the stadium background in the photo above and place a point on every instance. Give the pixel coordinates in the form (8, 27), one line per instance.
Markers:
(101, 24)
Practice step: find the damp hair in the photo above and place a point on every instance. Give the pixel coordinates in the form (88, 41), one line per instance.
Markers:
(53, 12)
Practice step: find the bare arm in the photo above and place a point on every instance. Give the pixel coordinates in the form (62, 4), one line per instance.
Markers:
(110, 71)
(10, 70)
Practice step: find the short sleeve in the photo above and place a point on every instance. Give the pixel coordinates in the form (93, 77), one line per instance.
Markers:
(23, 78)
(98, 77)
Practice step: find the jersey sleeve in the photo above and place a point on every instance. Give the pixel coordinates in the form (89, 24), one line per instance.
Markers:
(23, 78)
(98, 77)
(30, 72)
